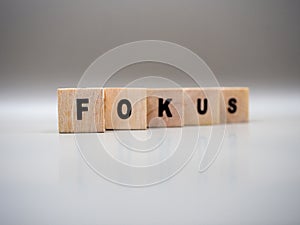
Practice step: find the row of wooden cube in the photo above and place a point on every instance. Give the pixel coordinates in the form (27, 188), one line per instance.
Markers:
(98, 109)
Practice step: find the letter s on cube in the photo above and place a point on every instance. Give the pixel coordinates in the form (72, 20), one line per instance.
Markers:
(234, 107)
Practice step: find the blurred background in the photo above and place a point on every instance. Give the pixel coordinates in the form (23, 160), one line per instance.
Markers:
(49, 44)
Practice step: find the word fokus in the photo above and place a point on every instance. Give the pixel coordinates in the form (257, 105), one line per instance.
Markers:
(83, 110)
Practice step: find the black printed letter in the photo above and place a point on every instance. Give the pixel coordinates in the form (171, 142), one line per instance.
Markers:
(232, 103)
(80, 109)
(164, 106)
(201, 111)
(120, 112)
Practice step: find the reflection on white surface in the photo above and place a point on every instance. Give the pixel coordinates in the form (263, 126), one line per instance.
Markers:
(255, 179)
(130, 164)
(125, 146)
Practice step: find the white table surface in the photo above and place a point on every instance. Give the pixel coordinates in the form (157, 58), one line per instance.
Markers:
(254, 180)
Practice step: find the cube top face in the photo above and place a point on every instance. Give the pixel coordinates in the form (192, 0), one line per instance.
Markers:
(201, 106)
(234, 104)
(80, 110)
(125, 108)
(165, 107)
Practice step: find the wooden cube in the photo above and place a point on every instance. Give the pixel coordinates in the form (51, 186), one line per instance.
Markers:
(201, 106)
(80, 110)
(234, 104)
(125, 108)
(165, 107)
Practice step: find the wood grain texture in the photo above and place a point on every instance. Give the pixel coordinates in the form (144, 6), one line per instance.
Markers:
(234, 107)
(138, 101)
(201, 106)
(92, 120)
(175, 107)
